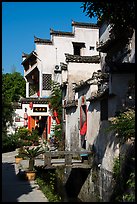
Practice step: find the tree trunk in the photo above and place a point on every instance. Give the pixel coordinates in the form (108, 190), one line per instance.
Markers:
(31, 164)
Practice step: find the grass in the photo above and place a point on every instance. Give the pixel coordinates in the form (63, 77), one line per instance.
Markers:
(47, 183)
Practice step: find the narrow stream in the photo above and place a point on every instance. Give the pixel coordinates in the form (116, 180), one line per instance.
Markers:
(70, 182)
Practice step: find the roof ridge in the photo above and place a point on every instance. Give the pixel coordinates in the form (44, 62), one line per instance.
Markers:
(41, 40)
(59, 32)
(84, 24)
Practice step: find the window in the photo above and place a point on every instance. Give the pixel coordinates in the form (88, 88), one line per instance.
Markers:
(77, 47)
(17, 119)
(77, 50)
(104, 109)
(91, 48)
(40, 109)
(46, 81)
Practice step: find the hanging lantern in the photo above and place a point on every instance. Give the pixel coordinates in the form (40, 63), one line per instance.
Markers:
(83, 100)
(57, 121)
(38, 93)
(55, 113)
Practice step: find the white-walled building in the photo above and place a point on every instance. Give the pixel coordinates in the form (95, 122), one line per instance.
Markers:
(107, 92)
(68, 57)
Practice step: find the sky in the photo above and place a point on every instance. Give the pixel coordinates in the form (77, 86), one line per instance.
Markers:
(21, 21)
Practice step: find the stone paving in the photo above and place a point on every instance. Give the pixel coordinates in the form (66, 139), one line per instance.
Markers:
(13, 188)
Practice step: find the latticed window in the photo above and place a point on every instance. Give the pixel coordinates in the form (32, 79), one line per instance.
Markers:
(46, 81)
(31, 90)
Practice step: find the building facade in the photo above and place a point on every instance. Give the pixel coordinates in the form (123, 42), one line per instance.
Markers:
(68, 57)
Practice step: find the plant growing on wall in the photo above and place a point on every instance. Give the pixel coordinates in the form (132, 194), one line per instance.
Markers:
(124, 124)
(56, 108)
(56, 99)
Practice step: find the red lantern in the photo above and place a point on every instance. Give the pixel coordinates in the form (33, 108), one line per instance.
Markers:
(83, 100)
(38, 93)
(55, 113)
(57, 121)
(31, 105)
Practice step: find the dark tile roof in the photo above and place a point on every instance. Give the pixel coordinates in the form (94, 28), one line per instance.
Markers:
(63, 66)
(53, 32)
(82, 59)
(70, 104)
(33, 53)
(34, 100)
(42, 41)
(84, 25)
(105, 46)
(99, 95)
(24, 54)
(99, 76)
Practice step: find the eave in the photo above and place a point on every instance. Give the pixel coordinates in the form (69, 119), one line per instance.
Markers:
(100, 95)
(34, 100)
(61, 33)
(42, 41)
(84, 25)
(33, 53)
(82, 59)
(81, 86)
(105, 46)
(71, 104)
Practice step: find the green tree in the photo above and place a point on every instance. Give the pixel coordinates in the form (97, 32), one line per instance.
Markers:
(120, 14)
(13, 86)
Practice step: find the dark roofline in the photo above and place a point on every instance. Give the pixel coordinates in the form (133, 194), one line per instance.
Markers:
(29, 55)
(34, 100)
(82, 59)
(84, 25)
(24, 54)
(42, 41)
(53, 32)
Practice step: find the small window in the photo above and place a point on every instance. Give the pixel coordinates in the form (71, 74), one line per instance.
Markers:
(77, 50)
(104, 109)
(91, 48)
(46, 82)
(77, 47)
(17, 119)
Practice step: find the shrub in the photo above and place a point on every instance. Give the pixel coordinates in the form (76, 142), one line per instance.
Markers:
(124, 124)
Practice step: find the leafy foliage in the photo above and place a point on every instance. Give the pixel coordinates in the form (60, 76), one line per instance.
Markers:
(129, 196)
(124, 124)
(31, 154)
(119, 14)
(25, 137)
(124, 190)
(47, 182)
(56, 99)
(56, 104)
(13, 86)
(116, 168)
(9, 143)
